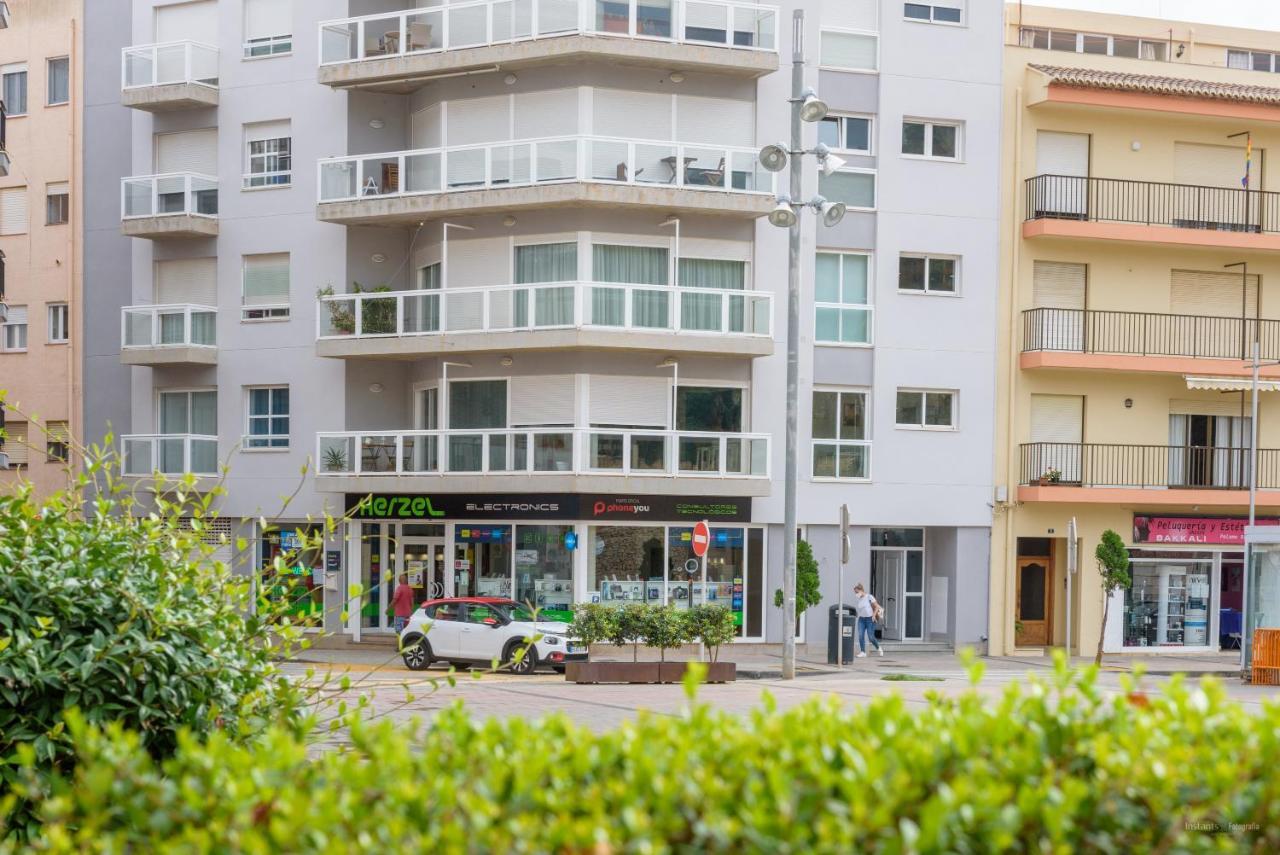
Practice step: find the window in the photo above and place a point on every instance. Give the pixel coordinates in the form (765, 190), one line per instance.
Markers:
(57, 440)
(849, 51)
(268, 417)
(855, 187)
(926, 409)
(13, 211)
(268, 27)
(15, 443)
(1073, 42)
(270, 161)
(15, 330)
(265, 295)
(930, 139)
(15, 88)
(841, 299)
(847, 133)
(59, 76)
(709, 409)
(839, 430)
(927, 274)
(937, 14)
(57, 323)
(1255, 60)
(57, 204)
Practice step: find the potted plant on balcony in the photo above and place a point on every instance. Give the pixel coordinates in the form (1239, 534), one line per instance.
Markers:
(1051, 477)
(377, 317)
(334, 459)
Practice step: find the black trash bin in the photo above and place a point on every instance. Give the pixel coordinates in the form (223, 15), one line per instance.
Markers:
(833, 627)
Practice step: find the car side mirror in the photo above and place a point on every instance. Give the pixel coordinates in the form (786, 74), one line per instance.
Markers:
(491, 622)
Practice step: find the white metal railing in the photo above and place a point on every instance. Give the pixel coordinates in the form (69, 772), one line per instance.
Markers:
(169, 194)
(169, 62)
(545, 451)
(543, 161)
(171, 325)
(169, 454)
(725, 23)
(546, 306)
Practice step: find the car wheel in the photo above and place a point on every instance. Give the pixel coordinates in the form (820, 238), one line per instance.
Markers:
(527, 664)
(416, 653)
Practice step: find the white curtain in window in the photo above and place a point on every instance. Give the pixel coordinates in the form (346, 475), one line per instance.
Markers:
(636, 265)
(547, 262)
(1177, 454)
(266, 279)
(703, 311)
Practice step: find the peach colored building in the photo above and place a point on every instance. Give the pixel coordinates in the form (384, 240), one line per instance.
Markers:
(1139, 269)
(39, 225)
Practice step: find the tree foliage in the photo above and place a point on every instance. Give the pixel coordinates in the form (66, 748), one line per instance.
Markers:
(808, 583)
(711, 624)
(1113, 567)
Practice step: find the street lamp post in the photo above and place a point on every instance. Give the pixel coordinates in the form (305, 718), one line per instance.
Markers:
(805, 107)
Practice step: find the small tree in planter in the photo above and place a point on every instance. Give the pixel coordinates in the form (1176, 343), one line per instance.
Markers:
(593, 623)
(629, 626)
(712, 625)
(808, 594)
(665, 627)
(1113, 567)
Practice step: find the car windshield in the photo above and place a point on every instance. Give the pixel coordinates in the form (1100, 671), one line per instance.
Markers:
(516, 611)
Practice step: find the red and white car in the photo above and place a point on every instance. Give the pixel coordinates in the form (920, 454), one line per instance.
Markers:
(478, 630)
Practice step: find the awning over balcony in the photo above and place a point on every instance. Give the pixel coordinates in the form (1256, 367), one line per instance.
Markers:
(1151, 84)
(1231, 384)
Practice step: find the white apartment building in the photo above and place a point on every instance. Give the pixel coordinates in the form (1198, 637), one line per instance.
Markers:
(498, 273)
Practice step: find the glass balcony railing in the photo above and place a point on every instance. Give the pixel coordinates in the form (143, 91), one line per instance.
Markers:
(543, 161)
(172, 194)
(549, 451)
(168, 63)
(548, 306)
(175, 454)
(724, 23)
(177, 325)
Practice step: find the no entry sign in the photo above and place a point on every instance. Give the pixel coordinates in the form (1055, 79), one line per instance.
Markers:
(701, 538)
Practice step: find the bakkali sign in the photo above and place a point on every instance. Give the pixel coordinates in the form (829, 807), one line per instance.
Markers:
(1223, 531)
(555, 506)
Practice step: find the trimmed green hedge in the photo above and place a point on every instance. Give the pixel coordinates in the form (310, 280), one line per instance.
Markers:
(1046, 767)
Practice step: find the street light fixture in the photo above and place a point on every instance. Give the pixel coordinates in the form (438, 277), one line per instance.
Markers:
(783, 215)
(827, 161)
(831, 212)
(812, 108)
(774, 157)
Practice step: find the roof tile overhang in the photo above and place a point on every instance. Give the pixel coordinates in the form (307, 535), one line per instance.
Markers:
(1128, 90)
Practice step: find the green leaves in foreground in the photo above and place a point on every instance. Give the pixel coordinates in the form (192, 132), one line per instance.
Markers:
(1055, 767)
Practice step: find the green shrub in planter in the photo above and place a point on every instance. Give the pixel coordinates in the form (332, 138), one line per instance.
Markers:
(665, 627)
(1059, 766)
(712, 625)
(593, 623)
(629, 624)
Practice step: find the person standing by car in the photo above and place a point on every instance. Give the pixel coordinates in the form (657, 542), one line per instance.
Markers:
(867, 608)
(402, 603)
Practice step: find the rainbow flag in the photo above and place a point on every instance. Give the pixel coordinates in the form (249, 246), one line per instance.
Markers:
(1248, 160)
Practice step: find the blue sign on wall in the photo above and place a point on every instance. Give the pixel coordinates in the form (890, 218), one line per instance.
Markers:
(571, 540)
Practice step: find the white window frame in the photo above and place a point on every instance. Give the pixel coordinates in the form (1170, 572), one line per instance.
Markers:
(869, 306)
(10, 325)
(58, 316)
(850, 32)
(933, 7)
(65, 204)
(1080, 36)
(284, 176)
(924, 408)
(871, 132)
(929, 125)
(57, 439)
(17, 68)
(865, 392)
(249, 416)
(875, 192)
(1271, 59)
(263, 312)
(929, 258)
(48, 79)
(271, 42)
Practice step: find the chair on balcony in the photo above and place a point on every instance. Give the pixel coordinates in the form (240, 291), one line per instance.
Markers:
(622, 171)
(419, 36)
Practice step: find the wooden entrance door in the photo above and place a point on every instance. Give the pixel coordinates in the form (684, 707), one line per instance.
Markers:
(1035, 602)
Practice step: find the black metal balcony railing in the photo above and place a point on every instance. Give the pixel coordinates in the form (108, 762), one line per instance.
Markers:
(1147, 334)
(1074, 464)
(1152, 203)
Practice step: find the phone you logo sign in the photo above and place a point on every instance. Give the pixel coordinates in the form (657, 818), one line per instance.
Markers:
(618, 506)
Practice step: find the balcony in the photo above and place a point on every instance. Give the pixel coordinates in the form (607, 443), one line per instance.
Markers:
(1145, 342)
(403, 188)
(171, 76)
(175, 205)
(553, 316)
(1143, 474)
(4, 153)
(172, 455)
(1151, 212)
(546, 460)
(392, 51)
(168, 335)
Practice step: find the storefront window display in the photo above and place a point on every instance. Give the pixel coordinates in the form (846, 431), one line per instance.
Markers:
(624, 564)
(295, 585)
(544, 570)
(482, 561)
(1170, 599)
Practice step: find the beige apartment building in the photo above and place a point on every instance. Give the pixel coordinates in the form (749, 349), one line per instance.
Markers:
(39, 321)
(1141, 237)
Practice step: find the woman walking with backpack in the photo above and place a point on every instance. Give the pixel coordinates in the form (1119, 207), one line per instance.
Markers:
(868, 611)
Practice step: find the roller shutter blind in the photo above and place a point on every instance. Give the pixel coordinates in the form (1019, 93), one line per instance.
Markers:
(478, 120)
(722, 121)
(424, 128)
(546, 114)
(854, 14)
(266, 279)
(189, 151)
(13, 211)
(546, 400)
(15, 443)
(637, 401)
(849, 50)
(215, 533)
(1058, 285)
(1214, 165)
(1222, 405)
(187, 280)
(636, 115)
(197, 22)
(266, 18)
(1211, 293)
(1057, 418)
(1060, 153)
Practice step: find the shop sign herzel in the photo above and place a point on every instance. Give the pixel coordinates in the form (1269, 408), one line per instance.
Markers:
(551, 506)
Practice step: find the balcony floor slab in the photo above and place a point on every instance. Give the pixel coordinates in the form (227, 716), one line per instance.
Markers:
(170, 226)
(547, 482)
(1137, 233)
(1181, 365)
(169, 355)
(1151, 497)
(416, 347)
(169, 97)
